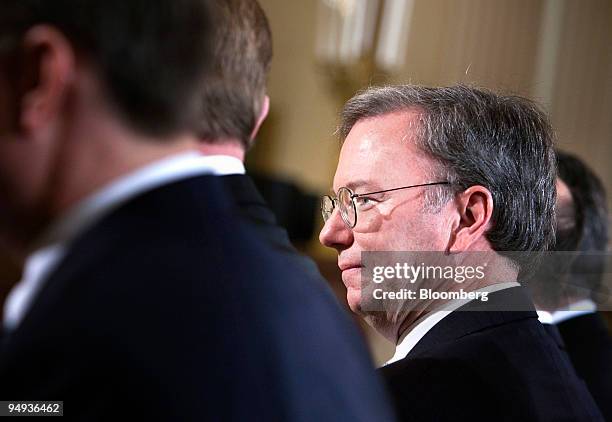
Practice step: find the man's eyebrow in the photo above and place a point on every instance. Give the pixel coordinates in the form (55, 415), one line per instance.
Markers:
(360, 185)
(363, 186)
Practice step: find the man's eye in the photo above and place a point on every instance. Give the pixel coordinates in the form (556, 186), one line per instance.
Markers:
(364, 202)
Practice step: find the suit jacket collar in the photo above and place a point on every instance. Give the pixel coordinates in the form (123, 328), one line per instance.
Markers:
(243, 189)
(250, 202)
(94, 244)
(502, 307)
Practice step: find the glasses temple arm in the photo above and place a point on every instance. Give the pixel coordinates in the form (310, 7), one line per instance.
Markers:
(357, 195)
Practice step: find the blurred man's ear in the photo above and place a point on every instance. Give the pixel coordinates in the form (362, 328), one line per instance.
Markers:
(475, 208)
(47, 69)
(265, 108)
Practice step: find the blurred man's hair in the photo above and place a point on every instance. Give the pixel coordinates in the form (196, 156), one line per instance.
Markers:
(504, 143)
(588, 232)
(150, 54)
(236, 85)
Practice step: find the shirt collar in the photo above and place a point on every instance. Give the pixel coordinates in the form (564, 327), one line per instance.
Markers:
(36, 268)
(224, 165)
(410, 338)
(53, 245)
(576, 309)
(117, 192)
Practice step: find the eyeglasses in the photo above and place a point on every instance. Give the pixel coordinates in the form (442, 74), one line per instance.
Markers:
(345, 201)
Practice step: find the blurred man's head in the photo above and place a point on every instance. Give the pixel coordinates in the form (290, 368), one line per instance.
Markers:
(586, 202)
(566, 234)
(234, 96)
(148, 54)
(582, 225)
(84, 84)
(495, 152)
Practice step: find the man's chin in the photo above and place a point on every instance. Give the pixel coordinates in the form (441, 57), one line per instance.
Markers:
(353, 298)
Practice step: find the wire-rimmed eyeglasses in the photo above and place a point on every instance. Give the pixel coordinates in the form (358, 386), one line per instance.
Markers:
(345, 201)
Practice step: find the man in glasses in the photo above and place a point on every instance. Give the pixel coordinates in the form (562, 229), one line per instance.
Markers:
(463, 175)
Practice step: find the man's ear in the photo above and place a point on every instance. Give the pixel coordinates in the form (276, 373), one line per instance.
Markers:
(48, 64)
(475, 208)
(265, 108)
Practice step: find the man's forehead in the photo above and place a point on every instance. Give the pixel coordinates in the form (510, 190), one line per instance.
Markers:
(378, 148)
(397, 123)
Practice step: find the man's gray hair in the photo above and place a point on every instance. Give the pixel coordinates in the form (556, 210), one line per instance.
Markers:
(504, 143)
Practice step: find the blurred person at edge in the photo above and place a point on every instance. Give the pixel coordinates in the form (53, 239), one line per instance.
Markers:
(567, 283)
(455, 170)
(143, 295)
(235, 104)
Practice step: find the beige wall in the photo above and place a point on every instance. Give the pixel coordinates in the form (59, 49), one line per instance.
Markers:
(297, 141)
(582, 102)
(492, 43)
(488, 42)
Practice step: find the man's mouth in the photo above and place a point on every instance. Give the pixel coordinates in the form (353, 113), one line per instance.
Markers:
(345, 267)
(351, 274)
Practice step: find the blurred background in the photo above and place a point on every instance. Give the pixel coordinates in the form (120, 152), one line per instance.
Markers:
(557, 52)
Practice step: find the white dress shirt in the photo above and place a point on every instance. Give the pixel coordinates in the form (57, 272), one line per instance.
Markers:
(576, 309)
(224, 165)
(54, 244)
(410, 338)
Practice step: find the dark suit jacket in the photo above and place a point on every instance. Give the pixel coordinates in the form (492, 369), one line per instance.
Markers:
(172, 309)
(589, 345)
(482, 363)
(252, 207)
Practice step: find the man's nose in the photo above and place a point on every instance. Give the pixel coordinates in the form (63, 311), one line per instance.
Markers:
(335, 234)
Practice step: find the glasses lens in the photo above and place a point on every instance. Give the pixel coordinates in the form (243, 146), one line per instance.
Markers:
(347, 207)
(327, 207)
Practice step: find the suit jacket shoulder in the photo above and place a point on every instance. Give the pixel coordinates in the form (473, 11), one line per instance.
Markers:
(589, 345)
(483, 363)
(255, 212)
(172, 309)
